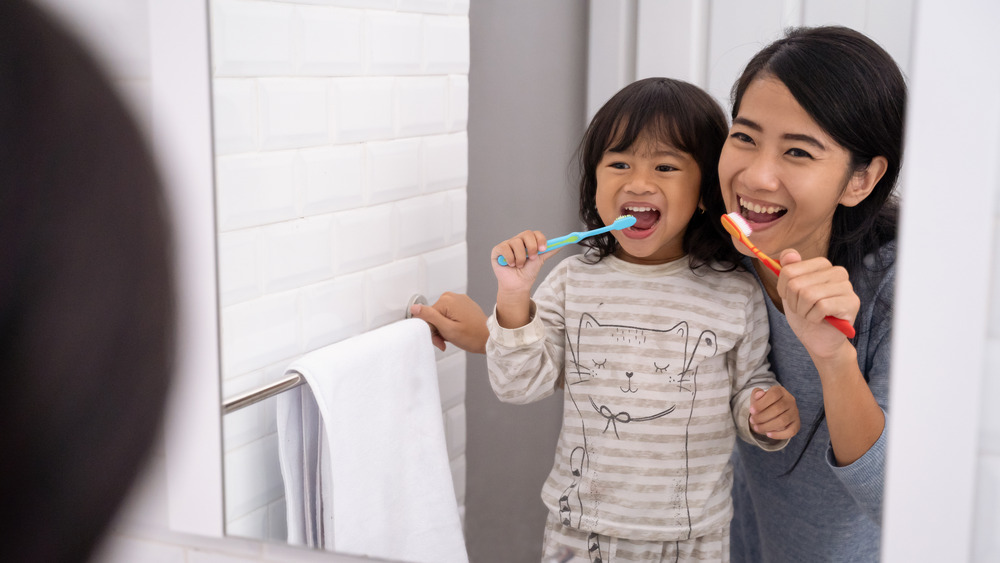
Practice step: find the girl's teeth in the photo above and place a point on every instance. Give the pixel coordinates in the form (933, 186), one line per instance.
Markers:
(638, 209)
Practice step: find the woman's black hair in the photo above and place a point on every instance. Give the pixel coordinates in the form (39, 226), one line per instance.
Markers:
(677, 113)
(855, 91)
(86, 294)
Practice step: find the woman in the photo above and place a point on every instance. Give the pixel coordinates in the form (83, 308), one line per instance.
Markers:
(811, 162)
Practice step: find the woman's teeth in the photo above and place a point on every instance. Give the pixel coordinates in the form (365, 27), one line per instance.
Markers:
(759, 208)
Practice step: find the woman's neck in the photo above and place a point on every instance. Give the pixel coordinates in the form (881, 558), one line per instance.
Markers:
(770, 282)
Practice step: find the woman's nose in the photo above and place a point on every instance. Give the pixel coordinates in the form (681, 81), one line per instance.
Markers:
(761, 173)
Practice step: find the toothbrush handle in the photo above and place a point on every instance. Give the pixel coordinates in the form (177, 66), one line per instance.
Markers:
(550, 244)
(841, 325)
(838, 323)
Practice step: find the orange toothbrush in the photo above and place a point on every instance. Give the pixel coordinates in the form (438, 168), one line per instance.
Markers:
(738, 227)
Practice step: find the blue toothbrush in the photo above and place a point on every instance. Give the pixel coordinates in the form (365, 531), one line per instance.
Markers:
(622, 222)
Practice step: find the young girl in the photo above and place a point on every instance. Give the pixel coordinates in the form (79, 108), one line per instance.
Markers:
(660, 345)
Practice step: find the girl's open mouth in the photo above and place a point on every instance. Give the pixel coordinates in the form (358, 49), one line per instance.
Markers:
(646, 218)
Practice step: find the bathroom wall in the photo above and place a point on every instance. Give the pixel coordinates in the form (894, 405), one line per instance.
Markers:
(341, 172)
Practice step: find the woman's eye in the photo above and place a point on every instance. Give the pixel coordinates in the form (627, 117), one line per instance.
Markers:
(742, 137)
(798, 153)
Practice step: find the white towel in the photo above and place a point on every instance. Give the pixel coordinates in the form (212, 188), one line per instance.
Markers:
(383, 485)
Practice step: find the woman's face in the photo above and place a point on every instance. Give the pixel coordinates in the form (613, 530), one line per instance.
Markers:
(782, 172)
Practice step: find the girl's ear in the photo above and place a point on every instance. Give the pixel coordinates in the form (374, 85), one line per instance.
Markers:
(863, 182)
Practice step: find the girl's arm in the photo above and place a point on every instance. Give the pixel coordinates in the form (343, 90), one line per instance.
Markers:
(810, 290)
(525, 363)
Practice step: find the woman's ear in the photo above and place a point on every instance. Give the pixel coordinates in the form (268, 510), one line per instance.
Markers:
(863, 182)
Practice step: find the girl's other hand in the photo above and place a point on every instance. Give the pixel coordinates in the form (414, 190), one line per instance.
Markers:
(811, 290)
(773, 413)
(523, 262)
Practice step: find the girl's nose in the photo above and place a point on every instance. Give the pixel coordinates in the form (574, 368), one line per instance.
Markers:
(640, 183)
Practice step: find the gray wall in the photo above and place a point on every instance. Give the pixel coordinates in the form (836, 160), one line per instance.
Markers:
(527, 84)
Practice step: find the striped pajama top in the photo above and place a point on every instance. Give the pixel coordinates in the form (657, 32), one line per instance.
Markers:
(659, 363)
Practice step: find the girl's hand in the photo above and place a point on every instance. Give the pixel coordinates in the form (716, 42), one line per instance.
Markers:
(773, 413)
(455, 318)
(523, 262)
(811, 290)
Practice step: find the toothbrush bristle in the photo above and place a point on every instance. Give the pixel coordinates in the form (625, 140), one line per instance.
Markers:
(740, 223)
(624, 221)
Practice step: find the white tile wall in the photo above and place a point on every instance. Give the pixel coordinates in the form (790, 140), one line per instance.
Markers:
(342, 164)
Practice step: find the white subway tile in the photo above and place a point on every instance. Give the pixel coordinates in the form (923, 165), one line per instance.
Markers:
(394, 43)
(255, 189)
(293, 113)
(422, 105)
(458, 477)
(986, 522)
(425, 6)
(249, 423)
(123, 549)
(277, 521)
(332, 179)
(239, 277)
(361, 109)
(333, 311)
(296, 253)
(446, 45)
(234, 115)
(389, 290)
(451, 380)
(258, 333)
(393, 170)
(329, 41)
(251, 38)
(459, 208)
(252, 525)
(446, 161)
(365, 238)
(458, 102)
(423, 223)
(455, 430)
(247, 491)
(446, 269)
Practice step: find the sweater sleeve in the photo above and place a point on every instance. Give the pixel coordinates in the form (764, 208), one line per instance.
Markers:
(865, 478)
(525, 363)
(749, 370)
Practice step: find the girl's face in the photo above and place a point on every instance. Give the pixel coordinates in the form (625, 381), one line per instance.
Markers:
(659, 185)
(783, 172)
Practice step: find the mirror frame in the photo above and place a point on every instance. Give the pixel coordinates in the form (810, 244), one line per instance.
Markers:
(182, 138)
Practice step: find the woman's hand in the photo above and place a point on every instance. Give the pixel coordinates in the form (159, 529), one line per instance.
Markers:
(811, 290)
(455, 318)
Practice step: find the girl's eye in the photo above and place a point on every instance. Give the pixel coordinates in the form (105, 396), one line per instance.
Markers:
(665, 168)
(619, 165)
(798, 153)
(742, 137)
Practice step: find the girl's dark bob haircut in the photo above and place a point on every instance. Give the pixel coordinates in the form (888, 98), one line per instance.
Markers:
(674, 112)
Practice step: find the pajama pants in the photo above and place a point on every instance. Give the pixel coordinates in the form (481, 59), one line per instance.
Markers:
(587, 547)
